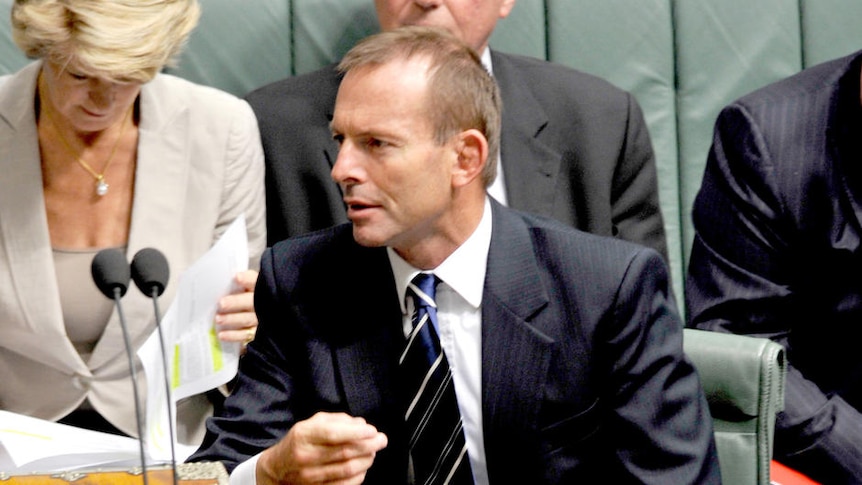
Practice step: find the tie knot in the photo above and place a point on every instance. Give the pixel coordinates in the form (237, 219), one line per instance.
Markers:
(424, 287)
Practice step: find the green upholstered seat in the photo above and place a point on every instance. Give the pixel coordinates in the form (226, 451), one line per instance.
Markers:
(744, 382)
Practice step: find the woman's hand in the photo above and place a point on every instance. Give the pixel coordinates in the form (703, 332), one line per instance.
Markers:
(235, 317)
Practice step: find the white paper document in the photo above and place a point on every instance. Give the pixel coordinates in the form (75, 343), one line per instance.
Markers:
(197, 360)
(30, 445)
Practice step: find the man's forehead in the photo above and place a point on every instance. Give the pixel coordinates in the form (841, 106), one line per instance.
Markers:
(381, 96)
(399, 66)
(392, 81)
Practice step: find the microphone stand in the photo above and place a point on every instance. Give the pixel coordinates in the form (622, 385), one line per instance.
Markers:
(117, 295)
(155, 297)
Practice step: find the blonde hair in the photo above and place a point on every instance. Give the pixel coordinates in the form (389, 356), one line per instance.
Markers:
(461, 95)
(121, 40)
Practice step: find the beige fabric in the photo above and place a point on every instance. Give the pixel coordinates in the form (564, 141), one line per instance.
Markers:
(200, 166)
(86, 310)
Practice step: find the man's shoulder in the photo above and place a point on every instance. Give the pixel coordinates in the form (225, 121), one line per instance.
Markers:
(333, 246)
(330, 239)
(568, 257)
(312, 261)
(558, 240)
(814, 84)
(554, 76)
(316, 87)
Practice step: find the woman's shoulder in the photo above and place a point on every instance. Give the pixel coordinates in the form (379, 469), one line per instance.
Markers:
(20, 83)
(176, 91)
(168, 97)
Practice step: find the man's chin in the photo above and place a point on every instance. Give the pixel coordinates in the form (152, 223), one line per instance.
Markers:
(365, 238)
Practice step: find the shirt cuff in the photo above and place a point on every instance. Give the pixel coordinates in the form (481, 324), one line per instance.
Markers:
(245, 472)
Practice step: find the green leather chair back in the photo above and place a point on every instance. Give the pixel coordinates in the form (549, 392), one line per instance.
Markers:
(683, 59)
(744, 382)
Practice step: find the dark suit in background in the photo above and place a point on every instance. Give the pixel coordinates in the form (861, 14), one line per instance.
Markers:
(778, 253)
(574, 148)
(583, 375)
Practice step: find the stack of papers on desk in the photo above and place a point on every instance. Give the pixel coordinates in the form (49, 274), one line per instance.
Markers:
(30, 445)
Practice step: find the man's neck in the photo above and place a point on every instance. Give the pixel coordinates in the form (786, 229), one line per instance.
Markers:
(431, 252)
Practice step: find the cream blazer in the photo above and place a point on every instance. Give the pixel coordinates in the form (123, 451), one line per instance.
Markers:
(199, 166)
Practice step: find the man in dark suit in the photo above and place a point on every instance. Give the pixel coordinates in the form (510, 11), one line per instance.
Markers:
(565, 348)
(574, 147)
(778, 253)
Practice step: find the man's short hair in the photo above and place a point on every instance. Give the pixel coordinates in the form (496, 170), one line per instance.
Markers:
(461, 95)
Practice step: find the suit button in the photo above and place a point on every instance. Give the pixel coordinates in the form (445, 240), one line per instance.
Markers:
(81, 382)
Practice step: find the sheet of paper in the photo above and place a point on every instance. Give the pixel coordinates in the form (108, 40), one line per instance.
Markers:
(197, 360)
(33, 445)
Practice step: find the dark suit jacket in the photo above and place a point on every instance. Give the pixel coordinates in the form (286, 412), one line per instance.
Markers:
(583, 374)
(778, 253)
(574, 148)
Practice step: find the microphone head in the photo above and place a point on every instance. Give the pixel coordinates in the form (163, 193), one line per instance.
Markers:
(150, 271)
(110, 271)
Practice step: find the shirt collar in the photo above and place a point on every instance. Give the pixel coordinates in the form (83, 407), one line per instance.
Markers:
(486, 60)
(463, 270)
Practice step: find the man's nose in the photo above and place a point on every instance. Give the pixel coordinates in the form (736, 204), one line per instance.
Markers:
(427, 4)
(345, 167)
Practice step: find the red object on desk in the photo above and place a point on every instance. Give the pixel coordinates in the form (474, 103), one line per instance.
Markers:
(782, 475)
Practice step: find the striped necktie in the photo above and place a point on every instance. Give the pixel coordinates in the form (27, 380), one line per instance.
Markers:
(438, 450)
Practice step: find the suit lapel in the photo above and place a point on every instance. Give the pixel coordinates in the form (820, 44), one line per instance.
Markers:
(369, 332)
(24, 231)
(358, 315)
(513, 324)
(368, 388)
(160, 182)
(525, 157)
(512, 310)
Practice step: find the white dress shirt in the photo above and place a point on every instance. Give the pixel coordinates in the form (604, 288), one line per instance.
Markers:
(459, 314)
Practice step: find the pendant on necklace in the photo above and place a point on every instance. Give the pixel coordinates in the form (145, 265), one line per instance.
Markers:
(101, 187)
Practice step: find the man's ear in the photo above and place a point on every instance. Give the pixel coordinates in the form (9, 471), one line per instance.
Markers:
(472, 152)
(506, 8)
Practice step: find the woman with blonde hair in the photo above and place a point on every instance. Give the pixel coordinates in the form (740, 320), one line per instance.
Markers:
(99, 150)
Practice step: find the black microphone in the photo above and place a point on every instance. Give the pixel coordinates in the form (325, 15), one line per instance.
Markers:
(111, 275)
(150, 272)
(111, 272)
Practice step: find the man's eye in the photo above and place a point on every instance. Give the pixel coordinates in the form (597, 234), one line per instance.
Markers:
(78, 77)
(375, 143)
(338, 139)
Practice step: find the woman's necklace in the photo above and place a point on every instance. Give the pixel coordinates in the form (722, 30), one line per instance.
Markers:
(101, 185)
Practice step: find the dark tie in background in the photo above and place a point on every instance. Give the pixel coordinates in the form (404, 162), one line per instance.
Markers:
(437, 446)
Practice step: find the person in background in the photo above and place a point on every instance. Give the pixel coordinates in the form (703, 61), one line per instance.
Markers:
(511, 369)
(778, 253)
(574, 147)
(98, 150)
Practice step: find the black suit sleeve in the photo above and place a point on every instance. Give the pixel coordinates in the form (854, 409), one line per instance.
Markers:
(635, 209)
(661, 424)
(262, 407)
(744, 277)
